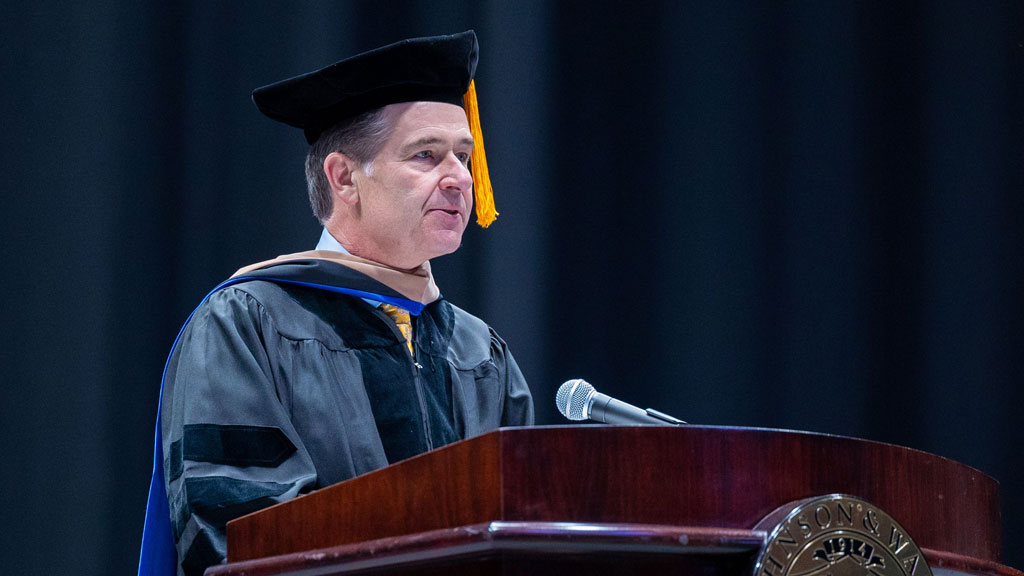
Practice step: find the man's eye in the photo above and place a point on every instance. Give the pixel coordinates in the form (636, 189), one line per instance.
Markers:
(425, 154)
(464, 158)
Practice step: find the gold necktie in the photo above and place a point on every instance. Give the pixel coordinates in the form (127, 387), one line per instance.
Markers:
(402, 320)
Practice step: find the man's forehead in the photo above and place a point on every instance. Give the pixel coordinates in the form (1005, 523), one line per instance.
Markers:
(415, 120)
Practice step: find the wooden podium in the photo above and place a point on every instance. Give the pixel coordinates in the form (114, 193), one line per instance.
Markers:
(612, 500)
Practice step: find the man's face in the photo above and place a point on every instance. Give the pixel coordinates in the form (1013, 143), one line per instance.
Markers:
(415, 197)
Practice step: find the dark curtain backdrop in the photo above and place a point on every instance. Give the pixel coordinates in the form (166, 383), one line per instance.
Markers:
(771, 214)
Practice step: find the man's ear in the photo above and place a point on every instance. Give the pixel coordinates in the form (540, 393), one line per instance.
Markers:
(339, 170)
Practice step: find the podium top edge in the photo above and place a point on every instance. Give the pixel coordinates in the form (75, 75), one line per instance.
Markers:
(739, 430)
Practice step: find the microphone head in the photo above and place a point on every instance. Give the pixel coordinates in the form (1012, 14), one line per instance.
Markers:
(572, 399)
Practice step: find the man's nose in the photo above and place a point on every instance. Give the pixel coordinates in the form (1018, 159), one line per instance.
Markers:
(456, 174)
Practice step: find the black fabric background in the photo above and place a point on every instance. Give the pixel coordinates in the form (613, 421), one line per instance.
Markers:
(750, 214)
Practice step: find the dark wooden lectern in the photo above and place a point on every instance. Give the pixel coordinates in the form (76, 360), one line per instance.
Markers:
(612, 500)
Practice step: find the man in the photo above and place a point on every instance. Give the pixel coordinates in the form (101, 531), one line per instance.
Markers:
(313, 368)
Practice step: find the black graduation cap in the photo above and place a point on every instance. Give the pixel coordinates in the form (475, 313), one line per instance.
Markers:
(435, 69)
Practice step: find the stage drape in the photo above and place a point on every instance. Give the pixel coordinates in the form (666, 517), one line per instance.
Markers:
(757, 214)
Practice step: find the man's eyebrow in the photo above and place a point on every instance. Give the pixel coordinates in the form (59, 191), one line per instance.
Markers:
(431, 140)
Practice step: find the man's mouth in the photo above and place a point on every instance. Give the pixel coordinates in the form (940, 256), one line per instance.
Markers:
(451, 211)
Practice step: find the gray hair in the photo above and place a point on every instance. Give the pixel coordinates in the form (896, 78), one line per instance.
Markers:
(360, 138)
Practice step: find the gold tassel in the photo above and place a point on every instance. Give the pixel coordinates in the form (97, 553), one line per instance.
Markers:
(483, 196)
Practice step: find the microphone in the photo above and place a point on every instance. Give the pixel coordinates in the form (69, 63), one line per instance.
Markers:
(578, 400)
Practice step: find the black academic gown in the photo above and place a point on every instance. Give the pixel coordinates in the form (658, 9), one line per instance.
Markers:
(279, 388)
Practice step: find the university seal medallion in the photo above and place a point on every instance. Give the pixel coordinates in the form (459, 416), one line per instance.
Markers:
(839, 535)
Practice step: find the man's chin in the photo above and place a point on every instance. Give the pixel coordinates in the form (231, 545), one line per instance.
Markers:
(445, 242)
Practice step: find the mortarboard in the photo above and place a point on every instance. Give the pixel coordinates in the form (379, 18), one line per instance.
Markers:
(436, 69)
